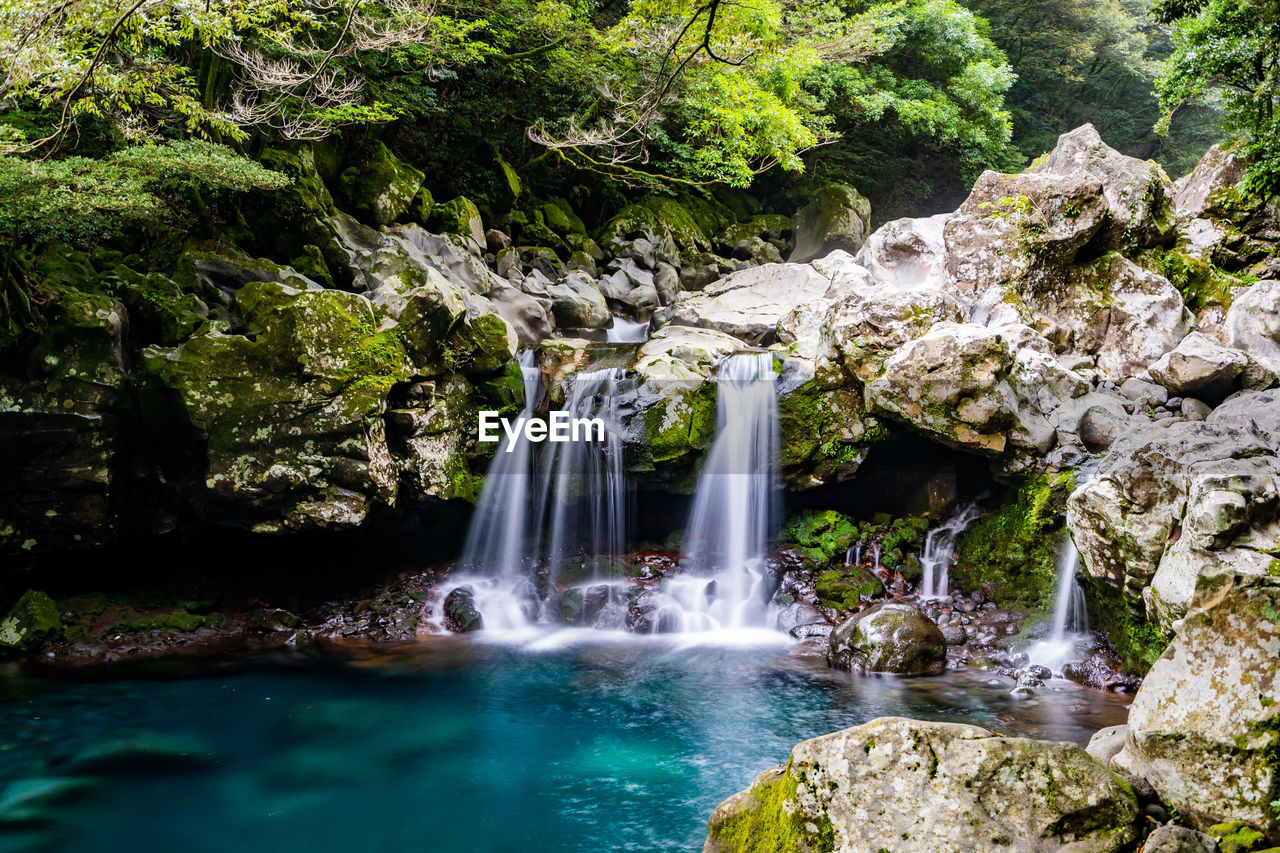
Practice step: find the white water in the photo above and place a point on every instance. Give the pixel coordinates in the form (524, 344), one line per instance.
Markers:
(1070, 617)
(735, 508)
(624, 331)
(940, 551)
(588, 500)
(496, 539)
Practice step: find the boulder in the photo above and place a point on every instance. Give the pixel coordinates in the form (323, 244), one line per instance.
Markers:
(460, 216)
(1200, 366)
(33, 622)
(380, 187)
(291, 409)
(1138, 192)
(750, 303)
(1172, 500)
(1253, 327)
(1197, 194)
(836, 217)
(1106, 743)
(576, 301)
(907, 253)
(1204, 728)
(1178, 839)
(892, 638)
(905, 785)
(460, 612)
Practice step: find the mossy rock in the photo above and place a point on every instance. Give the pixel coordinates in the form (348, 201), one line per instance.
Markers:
(1137, 642)
(380, 187)
(1015, 547)
(767, 818)
(1237, 837)
(458, 216)
(824, 433)
(904, 538)
(1200, 282)
(307, 193)
(824, 534)
(843, 589)
(33, 623)
(558, 215)
(156, 303)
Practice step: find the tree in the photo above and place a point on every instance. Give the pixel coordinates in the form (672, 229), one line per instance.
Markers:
(1232, 47)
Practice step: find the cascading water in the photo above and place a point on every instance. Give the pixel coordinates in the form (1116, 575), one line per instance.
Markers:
(493, 557)
(1069, 611)
(1070, 616)
(736, 506)
(939, 551)
(589, 491)
(624, 331)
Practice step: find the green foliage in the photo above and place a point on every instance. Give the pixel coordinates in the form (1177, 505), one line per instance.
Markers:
(1015, 548)
(83, 199)
(1135, 640)
(1093, 61)
(824, 534)
(1229, 48)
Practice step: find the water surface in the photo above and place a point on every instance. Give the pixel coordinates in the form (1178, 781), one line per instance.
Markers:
(570, 742)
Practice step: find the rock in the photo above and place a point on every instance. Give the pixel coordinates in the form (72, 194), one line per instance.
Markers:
(381, 187)
(1199, 365)
(460, 216)
(1195, 410)
(1197, 194)
(1138, 192)
(1145, 395)
(955, 635)
(1178, 839)
(1170, 501)
(142, 752)
(890, 637)
(576, 301)
(1106, 743)
(33, 623)
(836, 217)
(291, 410)
(1204, 727)
(867, 788)
(909, 254)
(749, 304)
(460, 612)
(1104, 420)
(799, 614)
(1253, 327)
(523, 314)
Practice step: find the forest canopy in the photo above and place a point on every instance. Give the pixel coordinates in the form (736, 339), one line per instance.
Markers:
(909, 99)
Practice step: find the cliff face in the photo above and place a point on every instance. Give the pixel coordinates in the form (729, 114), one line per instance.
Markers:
(341, 377)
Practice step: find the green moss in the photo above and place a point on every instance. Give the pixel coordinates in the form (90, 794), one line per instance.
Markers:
(825, 533)
(1199, 282)
(1015, 548)
(905, 535)
(32, 623)
(842, 589)
(773, 823)
(1237, 837)
(812, 423)
(1135, 640)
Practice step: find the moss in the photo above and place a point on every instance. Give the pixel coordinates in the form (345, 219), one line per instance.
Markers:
(842, 589)
(813, 424)
(772, 822)
(904, 536)
(1237, 837)
(1200, 282)
(1015, 548)
(33, 622)
(678, 424)
(826, 534)
(1135, 640)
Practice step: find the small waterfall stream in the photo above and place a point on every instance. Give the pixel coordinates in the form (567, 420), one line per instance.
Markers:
(1070, 616)
(736, 506)
(589, 492)
(939, 551)
(624, 331)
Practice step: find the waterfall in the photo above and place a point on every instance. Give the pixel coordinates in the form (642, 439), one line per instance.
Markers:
(735, 507)
(589, 491)
(624, 331)
(939, 551)
(495, 542)
(1069, 612)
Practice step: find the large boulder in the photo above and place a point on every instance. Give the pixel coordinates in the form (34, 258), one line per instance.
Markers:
(836, 217)
(749, 304)
(1199, 366)
(1204, 728)
(290, 409)
(1138, 192)
(1253, 326)
(1171, 501)
(380, 187)
(32, 623)
(576, 301)
(905, 785)
(891, 637)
